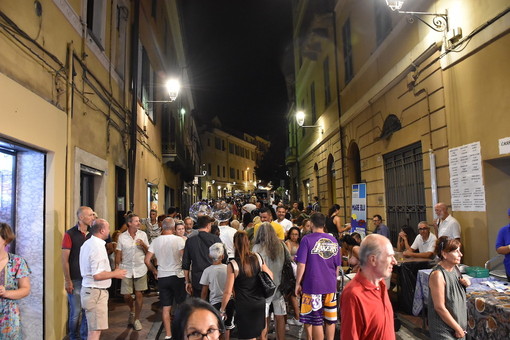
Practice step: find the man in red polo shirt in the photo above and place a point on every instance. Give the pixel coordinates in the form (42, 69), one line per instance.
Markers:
(365, 305)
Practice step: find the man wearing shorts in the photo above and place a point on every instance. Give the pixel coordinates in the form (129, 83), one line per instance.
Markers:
(168, 249)
(97, 275)
(130, 255)
(318, 262)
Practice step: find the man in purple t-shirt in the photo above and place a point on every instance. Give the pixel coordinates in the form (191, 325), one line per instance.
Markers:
(318, 260)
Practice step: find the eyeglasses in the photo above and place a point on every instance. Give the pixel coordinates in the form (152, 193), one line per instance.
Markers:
(421, 229)
(376, 220)
(211, 334)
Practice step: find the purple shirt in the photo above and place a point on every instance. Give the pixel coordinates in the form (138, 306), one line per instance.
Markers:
(320, 253)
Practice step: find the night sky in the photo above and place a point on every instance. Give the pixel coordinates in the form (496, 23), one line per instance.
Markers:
(235, 51)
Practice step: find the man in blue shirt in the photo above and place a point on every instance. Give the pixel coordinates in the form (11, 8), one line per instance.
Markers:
(503, 246)
(380, 228)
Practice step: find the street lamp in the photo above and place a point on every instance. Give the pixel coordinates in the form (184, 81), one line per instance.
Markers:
(300, 120)
(172, 88)
(439, 20)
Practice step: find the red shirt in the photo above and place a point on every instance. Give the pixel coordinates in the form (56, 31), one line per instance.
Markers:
(366, 311)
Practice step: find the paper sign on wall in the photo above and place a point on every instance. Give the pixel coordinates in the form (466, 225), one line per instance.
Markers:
(466, 181)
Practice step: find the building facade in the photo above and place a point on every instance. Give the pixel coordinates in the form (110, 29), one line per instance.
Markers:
(410, 98)
(228, 162)
(86, 120)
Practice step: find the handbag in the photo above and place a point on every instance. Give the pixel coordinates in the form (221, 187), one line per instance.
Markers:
(266, 282)
(288, 281)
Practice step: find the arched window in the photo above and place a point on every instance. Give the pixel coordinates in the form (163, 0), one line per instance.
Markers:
(353, 164)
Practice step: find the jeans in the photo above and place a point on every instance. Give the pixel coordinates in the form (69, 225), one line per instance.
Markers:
(77, 331)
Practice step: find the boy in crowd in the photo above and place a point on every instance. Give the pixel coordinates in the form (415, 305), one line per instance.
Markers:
(213, 282)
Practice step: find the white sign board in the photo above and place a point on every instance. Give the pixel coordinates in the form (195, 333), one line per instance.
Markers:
(466, 182)
(504, 145)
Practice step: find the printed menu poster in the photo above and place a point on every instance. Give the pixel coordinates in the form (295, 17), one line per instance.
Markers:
(466, 182)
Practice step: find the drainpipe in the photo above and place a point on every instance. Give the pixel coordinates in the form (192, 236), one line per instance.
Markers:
(69, 112)
(134, 104)
(341, 135)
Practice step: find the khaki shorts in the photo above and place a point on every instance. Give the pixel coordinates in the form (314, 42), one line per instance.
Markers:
(140, 284)
(95, 303)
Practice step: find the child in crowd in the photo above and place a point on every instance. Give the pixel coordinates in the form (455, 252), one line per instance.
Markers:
(213, 283)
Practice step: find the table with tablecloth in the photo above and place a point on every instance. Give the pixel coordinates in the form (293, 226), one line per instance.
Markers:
(488, 312)
(488, 308)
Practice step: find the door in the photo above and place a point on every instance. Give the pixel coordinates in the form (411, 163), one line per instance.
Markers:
(405, 192)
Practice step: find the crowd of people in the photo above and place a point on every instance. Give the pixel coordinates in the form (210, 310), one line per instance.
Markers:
(206, 272)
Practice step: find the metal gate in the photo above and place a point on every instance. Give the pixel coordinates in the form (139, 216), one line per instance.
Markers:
(405, 193)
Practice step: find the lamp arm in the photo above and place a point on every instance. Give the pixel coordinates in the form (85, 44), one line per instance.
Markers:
(439, 20)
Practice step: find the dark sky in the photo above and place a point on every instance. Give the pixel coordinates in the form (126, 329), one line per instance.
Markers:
(235, 50)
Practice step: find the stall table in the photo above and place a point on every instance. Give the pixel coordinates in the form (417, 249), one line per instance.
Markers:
(488, 309)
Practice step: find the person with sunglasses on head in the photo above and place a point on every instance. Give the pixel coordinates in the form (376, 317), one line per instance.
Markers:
(424, 244)
(447, 311)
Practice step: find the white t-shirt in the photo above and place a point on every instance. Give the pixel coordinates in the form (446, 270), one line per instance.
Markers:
(449, 227)
(286, 224)
(227, 238)
(215, 277)
(168, 251)
(249, 207)
(424, 246)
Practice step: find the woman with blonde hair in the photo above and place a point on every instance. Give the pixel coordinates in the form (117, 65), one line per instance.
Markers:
(242, 277)
(274, 252)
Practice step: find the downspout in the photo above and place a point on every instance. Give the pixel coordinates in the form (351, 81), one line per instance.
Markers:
(337, 82)
(134, 104)
(69, 112)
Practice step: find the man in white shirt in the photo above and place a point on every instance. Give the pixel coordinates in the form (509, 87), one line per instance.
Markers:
(227, 237)
(168, 249)
(97, 278)
(281, 211)
(424, 243)
(130, 255)
(446, 225)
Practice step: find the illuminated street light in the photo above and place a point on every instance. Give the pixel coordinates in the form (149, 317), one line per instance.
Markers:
(439, 20)
(300, 120)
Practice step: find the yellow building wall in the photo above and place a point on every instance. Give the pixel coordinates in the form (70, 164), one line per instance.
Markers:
(31, 121)
(476, 92)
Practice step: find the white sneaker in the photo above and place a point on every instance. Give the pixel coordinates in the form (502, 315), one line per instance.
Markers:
(287, 328)
(137, 325)
(294, 322)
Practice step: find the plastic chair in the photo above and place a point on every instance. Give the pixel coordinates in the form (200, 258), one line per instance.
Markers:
(494, 263)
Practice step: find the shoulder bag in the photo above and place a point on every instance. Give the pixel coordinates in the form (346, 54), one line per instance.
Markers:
(266, 282)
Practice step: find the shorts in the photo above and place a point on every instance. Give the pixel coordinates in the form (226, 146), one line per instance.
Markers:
(278, 303)
(171, 289)
(140, 284)
(318, 308)
(95, 303)
(229, 311)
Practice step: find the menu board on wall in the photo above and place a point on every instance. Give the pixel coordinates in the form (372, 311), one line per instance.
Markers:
(466, 182)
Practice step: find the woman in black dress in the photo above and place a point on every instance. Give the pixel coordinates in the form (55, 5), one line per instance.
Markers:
(243, 279)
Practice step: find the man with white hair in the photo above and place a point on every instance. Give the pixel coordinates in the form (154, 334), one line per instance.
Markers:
(446, 224)
(168, 249)
(365, 306)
